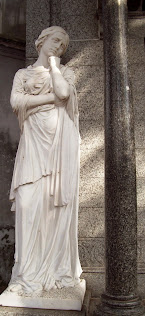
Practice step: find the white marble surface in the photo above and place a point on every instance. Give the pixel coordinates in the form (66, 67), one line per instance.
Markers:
(45, 181)
(64, 299)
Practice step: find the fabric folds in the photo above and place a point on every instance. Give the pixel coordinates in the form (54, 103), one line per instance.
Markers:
(45, 182)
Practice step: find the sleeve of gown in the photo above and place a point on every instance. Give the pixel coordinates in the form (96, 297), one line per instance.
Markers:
(72, 105)
(19, 97)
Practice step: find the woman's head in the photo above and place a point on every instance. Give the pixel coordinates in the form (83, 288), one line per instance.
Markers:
(53, 38)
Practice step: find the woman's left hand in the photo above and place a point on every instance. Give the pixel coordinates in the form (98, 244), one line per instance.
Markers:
(60, 85)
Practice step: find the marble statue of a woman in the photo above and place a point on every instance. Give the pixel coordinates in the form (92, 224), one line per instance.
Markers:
(44, 188)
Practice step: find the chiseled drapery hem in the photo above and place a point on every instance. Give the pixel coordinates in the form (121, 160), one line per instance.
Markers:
(49, 253)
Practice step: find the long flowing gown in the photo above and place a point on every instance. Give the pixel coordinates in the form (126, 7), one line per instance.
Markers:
(44, 188)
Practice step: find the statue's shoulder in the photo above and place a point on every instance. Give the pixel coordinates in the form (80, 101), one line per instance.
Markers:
(67, 71)
(20, 73)
(66, 68)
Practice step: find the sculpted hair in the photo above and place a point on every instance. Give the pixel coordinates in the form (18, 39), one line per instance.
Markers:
(48, 32)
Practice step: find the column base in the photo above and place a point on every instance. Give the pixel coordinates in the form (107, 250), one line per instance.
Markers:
(120, 307)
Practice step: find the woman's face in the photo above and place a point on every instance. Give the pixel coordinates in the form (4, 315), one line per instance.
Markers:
(53, 45)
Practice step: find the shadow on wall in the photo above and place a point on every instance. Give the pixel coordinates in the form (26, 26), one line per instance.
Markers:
(6, 255)
(9, 137)
(89, 72)
(7, 156)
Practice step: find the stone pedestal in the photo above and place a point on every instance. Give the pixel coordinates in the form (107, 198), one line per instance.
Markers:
(120, 296)
(61, 299)
(24, 311)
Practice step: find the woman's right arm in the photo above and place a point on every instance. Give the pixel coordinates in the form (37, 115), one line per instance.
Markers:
(40, 99)
(20, 99)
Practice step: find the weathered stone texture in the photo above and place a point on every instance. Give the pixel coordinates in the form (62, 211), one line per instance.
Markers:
(6, 253)
(86, 52)
(9, 135)
(137, 75)
(136, 28)
(94, 217)
(141, 222)
(95, 282)
(37, 19)
(13, 311)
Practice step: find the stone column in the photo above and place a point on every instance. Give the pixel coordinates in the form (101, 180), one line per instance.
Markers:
(120, 296)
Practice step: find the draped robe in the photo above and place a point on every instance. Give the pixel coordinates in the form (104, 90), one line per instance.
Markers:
(44, 188)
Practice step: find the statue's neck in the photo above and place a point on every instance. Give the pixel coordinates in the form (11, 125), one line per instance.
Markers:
(42, 61)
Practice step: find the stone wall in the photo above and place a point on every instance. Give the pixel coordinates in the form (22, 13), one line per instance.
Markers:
(85, 55)
(13, 19)
(10, 61)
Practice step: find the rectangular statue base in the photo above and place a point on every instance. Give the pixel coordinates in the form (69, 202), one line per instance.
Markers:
(63, 299)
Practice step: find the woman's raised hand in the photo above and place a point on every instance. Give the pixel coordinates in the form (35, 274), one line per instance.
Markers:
(54, 62)
(60, 85)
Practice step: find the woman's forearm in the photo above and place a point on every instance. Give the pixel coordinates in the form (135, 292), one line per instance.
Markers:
(30, 101)
(41, 99)
(60, 85)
